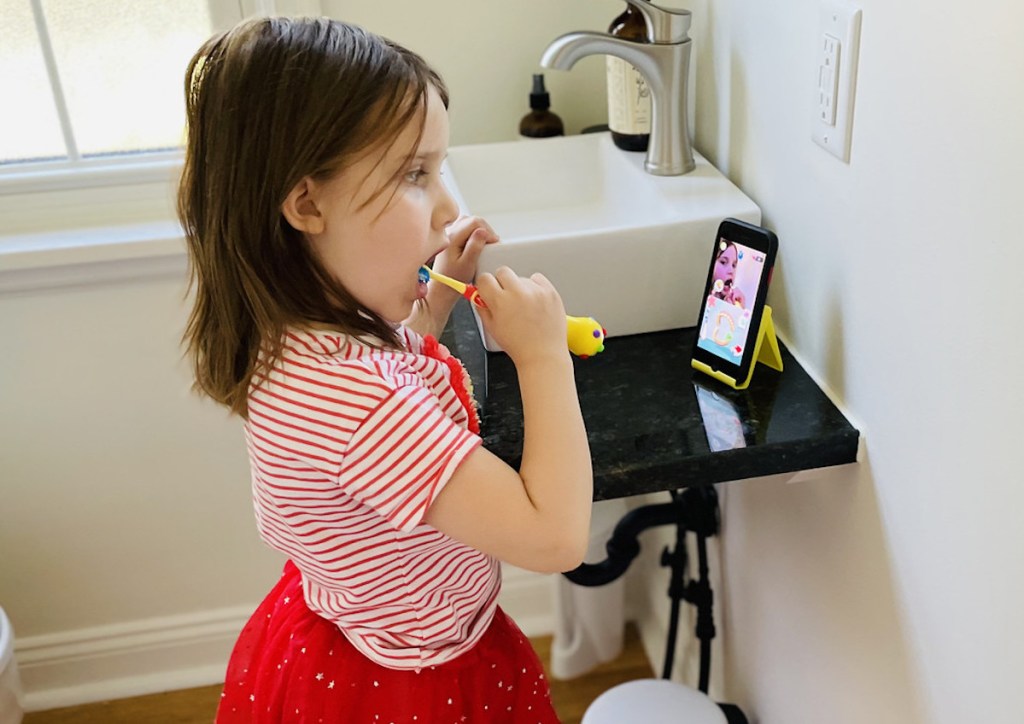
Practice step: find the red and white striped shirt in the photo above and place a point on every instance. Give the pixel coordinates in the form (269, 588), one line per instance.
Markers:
(349, 446)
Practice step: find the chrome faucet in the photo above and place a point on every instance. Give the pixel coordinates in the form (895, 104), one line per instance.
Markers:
(663, 61)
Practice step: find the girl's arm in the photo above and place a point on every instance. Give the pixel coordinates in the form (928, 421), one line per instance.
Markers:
(467, 237)
(538, 517)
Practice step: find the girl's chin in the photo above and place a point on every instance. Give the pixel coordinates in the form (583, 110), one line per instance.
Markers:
(395, 315)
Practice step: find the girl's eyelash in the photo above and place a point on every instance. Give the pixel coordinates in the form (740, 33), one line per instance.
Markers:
(416, 175)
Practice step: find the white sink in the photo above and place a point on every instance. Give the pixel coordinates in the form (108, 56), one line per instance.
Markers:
(623, 246)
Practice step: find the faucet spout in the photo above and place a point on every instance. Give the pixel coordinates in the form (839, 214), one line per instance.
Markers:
(665, 67)
(566, 50)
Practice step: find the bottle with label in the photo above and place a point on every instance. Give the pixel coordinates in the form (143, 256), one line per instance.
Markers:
(629, 98)
(540, 122)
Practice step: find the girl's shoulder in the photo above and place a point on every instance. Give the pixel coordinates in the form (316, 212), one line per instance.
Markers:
(335, 352)
(345, 378)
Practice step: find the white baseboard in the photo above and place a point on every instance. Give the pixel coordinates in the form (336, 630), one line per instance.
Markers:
(130, 659)
(189, 650)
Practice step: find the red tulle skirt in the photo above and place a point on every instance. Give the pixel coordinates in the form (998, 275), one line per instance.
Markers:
(291, 665)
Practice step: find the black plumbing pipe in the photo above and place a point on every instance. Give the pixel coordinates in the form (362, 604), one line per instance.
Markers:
(705, 613)
(623, 546)
(676, 560)
(691, 509)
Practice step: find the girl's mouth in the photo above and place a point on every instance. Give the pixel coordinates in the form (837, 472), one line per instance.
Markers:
(422, 277)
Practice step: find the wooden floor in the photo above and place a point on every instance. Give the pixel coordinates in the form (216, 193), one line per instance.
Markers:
(197, 706)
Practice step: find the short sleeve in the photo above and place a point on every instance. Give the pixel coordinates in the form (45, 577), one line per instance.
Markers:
(403, 453)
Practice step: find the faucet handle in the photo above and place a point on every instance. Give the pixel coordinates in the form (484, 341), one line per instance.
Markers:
(664, 25)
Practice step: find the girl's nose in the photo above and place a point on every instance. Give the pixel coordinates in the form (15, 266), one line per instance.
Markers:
(447, 210)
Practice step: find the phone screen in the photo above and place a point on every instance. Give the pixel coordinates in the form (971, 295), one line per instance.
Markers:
(737, 271)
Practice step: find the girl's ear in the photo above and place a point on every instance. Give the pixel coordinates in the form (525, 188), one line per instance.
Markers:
(300, 207)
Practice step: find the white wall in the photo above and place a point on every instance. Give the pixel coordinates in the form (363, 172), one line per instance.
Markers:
(487, 53)
(125, 497)
(892, 593)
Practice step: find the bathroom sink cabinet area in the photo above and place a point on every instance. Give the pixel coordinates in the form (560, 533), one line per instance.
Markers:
(655, 424)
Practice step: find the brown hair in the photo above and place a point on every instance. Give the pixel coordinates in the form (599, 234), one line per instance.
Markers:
(268, 103)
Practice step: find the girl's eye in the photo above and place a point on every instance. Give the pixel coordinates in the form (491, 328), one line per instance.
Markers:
(415, 176)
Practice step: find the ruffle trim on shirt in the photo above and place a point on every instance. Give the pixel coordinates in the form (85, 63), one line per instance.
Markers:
(460, 380)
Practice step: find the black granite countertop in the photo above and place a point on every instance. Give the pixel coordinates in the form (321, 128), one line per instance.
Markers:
(655, 424)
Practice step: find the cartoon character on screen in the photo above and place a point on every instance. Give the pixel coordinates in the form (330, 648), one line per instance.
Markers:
(723, 285)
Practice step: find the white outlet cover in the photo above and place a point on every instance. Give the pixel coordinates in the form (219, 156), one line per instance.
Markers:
(838, 20)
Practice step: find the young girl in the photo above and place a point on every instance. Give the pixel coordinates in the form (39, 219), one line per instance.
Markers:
(311, 195)
(724, 277)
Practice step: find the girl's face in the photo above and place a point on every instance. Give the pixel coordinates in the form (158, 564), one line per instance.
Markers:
(725, 265)
(375, 249)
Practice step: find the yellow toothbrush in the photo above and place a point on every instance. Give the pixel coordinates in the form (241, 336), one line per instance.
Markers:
(469, 291)
(584, 335)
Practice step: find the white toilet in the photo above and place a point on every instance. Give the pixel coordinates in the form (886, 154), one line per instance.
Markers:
(10, 684)
(653, 701)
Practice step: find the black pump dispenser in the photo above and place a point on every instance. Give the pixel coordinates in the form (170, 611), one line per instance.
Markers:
(540, 122)
(540, 99)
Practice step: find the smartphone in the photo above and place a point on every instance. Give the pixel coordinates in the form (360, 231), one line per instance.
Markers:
(734, 296)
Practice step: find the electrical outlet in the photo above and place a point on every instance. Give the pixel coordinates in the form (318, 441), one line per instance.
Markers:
(838, 41)
(828, 79)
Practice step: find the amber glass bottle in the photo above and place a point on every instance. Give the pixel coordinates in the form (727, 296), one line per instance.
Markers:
(540, 122)
(629, 98)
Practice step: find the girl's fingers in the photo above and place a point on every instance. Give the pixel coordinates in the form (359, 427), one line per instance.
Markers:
(461, 231)
(477, 241)
(541, 280)
(505, 277)
(487, 283)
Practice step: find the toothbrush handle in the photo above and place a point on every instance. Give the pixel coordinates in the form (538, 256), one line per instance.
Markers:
(469, 291)
(473, 295)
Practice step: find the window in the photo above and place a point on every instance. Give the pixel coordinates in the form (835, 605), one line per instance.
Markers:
(92, 108)
(91, 81)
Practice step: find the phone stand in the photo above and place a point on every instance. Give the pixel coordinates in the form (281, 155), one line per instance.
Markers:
(766, 351)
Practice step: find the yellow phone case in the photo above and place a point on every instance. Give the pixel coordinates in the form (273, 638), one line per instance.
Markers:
(768, 354)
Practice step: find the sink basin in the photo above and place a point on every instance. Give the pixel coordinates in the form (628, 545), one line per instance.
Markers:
(623, 246)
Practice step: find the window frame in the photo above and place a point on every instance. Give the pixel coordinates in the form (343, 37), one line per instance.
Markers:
(114, 170)
(103, 218)
(74, 170)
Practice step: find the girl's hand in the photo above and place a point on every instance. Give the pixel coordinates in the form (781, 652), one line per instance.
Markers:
(525, 316)
(467, 237)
